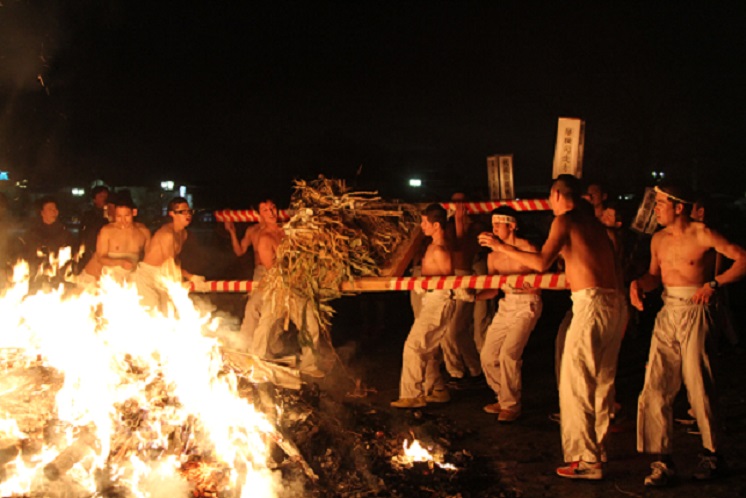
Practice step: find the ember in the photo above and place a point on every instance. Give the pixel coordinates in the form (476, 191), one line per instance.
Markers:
(414, 452)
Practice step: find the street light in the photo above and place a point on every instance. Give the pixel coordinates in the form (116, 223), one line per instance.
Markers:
(415, 182)
(167, 185)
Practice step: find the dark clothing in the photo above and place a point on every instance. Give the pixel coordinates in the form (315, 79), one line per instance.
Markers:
(42, 240)
(91, 223)
(8, 249)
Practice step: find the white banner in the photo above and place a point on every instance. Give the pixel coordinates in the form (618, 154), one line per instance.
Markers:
(645, 221)
(568, 153)
(500, 177)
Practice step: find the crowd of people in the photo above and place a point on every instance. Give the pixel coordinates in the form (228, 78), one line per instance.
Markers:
(459, 333)
(584, 240)
(110, 243)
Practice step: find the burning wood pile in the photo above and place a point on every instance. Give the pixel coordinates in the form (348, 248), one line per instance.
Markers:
(334, 236)
(100, 397)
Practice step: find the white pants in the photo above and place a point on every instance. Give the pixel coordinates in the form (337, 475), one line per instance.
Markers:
(415, 297)
(559, 344)
(678, 350)
(254, 308)
(587, 372)
(460, 353)
(269, 328)
(506, 338)
(153, 293)
(421, 358)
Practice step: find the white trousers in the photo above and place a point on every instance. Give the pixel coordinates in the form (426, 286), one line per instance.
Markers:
(267, 334)
(153, 293)
(559, 343)
(421, 358)
(253, 313)
(678, 350)
(460, 353)
(587, 372)
(502, 353)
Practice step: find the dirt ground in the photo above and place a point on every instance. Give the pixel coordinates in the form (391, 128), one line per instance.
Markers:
(369, 332)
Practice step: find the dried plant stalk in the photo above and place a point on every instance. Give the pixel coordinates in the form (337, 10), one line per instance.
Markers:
(335, 235)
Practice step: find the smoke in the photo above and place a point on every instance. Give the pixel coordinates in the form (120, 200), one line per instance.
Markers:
(31, 34)
(31, 122)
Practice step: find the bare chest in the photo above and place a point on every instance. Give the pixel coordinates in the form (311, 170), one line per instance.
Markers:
(126, 240)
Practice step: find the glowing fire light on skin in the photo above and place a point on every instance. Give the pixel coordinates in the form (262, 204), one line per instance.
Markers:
(114, 355)
(415, 452)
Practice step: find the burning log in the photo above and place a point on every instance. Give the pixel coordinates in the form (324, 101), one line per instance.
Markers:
(255, 368)
(79, 449)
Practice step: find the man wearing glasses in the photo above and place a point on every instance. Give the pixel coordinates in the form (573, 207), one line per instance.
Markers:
(161, 260)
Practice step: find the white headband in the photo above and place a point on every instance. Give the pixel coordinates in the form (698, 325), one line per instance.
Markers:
(502, 218)
(671, 196)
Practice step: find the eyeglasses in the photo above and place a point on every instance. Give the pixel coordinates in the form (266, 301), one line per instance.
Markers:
(184, 211)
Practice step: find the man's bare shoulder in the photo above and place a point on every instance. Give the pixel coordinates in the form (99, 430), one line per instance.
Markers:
(440, 250)
(658, 236)
(165, 232)
(562, 220)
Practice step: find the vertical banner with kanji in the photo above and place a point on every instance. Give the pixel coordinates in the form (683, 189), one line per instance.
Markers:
(500, 177)
(568, 153)
(645, 220)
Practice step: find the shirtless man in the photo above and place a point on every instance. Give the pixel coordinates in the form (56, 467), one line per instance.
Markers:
(264, 237)
(682, 257)
(421, 381)
(459, 348)
(513, 323)
(589, 361)
(161, 260)
(119, 245)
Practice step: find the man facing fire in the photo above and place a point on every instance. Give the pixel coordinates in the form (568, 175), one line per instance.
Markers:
(161, 260)
(119, 245)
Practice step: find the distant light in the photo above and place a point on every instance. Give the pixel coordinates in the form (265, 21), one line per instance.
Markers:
(182, 191)
(167, 185)
(78, 192)
(4, 176)
(415, 182)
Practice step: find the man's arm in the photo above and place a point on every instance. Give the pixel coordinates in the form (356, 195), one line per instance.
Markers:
(649, 280)
(537, 261)
(729, 250)
(486, 294)
(459, 220)
(146, 233)
(240, 248)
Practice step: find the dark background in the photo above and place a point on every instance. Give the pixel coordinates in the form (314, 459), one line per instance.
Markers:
(238, 98)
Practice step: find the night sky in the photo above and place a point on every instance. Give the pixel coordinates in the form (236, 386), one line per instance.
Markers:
(239, 98)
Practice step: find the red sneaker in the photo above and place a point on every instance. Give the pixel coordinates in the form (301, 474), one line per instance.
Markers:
(582, 470)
